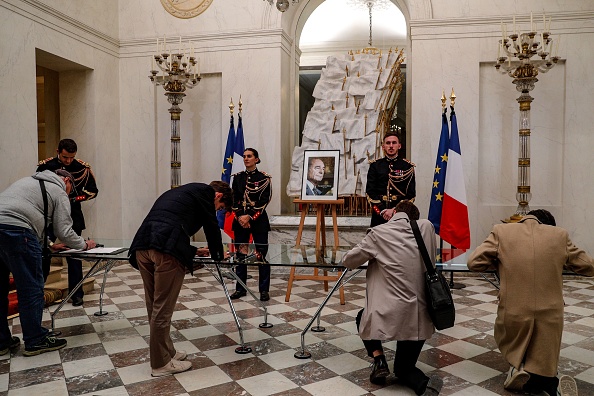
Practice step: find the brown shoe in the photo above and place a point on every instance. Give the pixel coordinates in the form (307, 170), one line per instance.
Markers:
(173, 367)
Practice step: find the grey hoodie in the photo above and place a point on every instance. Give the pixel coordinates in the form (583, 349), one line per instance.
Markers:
(21, 204)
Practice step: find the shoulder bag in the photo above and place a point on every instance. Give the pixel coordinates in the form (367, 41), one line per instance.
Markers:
(439, 297)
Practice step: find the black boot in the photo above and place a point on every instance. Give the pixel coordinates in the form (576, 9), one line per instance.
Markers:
(380, 370)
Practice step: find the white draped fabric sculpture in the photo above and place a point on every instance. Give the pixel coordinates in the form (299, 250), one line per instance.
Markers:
(355, 99)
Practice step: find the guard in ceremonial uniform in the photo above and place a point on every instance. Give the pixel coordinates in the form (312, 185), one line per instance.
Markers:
(86, 189)
(252, 192)
(390, 180)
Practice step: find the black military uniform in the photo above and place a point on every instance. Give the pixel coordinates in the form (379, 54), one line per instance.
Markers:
(389, 181)
(86, 189)
(252, 191)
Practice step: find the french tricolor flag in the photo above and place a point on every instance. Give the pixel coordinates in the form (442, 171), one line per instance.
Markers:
(455, 228)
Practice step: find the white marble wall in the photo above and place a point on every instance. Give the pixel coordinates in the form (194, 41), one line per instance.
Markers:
(246, 47)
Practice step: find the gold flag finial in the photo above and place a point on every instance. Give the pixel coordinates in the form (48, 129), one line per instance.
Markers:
(231, 106)
(240, 104)
(452, 98)
(443, 99)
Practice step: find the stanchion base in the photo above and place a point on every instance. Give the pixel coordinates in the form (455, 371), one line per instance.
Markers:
(100, 313)
(242, 350)
(302, 355)
(318, 329)
(265, 325)
(457, 286)
(54, 333)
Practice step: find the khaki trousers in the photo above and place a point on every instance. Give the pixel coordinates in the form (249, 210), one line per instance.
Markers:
(163, 276)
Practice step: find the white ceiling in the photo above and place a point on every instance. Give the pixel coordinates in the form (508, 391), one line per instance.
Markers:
(337, 24)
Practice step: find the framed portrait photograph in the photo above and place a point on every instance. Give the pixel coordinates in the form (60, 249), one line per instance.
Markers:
(320, 175)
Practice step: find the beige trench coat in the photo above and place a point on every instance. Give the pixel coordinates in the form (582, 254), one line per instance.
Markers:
(395, 307)
(530, 258)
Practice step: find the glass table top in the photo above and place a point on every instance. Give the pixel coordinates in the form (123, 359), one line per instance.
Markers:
(278, 255)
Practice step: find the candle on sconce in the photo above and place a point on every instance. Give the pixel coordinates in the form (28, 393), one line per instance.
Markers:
(549, 25)
(198, 66)
(164, 44)
(498, 51)
(544, 22)
(179, 48)
(157, 53)
(504, 30)
(515, 31)
(153, 63)
(531, 23)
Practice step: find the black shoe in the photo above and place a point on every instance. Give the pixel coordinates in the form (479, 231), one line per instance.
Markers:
(47, 345)
(13, 343)
(77, 301)
(380, 370)
(237, 294)
(264, 296)
(433, 386)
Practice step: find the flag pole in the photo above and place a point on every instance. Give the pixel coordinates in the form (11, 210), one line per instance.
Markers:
(454, 285)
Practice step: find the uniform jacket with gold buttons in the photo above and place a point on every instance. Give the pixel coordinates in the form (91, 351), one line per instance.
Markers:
(389, 181)
(252, 191)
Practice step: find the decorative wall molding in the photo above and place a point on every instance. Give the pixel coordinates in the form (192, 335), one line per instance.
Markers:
(477, 27)
(62, 23)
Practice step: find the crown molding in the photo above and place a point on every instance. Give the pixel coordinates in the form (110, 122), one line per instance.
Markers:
(52, 19)
(570, 22)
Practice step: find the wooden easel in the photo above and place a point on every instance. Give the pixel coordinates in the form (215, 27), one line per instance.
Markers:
(320, 242)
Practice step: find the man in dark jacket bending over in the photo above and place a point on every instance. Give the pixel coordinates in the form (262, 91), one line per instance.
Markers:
(162, 252)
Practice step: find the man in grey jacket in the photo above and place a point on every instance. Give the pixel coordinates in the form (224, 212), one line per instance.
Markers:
(21, 238)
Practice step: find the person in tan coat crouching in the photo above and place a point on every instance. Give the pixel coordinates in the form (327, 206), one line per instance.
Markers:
(530, 256)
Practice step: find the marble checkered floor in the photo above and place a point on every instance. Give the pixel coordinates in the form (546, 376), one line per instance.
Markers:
(108, 355)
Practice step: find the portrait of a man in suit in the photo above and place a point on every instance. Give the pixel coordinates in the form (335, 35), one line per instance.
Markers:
(315, 174)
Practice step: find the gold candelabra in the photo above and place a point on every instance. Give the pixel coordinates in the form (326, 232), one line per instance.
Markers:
(179, 73)
(515, 55)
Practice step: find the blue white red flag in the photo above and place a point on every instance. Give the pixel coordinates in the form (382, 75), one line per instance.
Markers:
(439, 174)
(455, 228)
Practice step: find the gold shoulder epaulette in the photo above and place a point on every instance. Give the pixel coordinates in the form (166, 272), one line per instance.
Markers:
(406, 160)
(372, 161)
(83, 163)
(235, 174)
(266, 174)
(43, 162)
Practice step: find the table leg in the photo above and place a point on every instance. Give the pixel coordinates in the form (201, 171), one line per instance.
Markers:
(101, 312)
(242, 349)
(303, 354)
(264, 325)
(71, 292)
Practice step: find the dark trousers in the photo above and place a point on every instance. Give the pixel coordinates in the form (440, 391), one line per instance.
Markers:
(242, 236)
(20, 253)
(407, 354)
(538, 383)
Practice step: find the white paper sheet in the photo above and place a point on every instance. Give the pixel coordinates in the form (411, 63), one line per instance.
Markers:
(99, 250)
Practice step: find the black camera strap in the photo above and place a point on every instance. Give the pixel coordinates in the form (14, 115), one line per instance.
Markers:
(45, 214)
